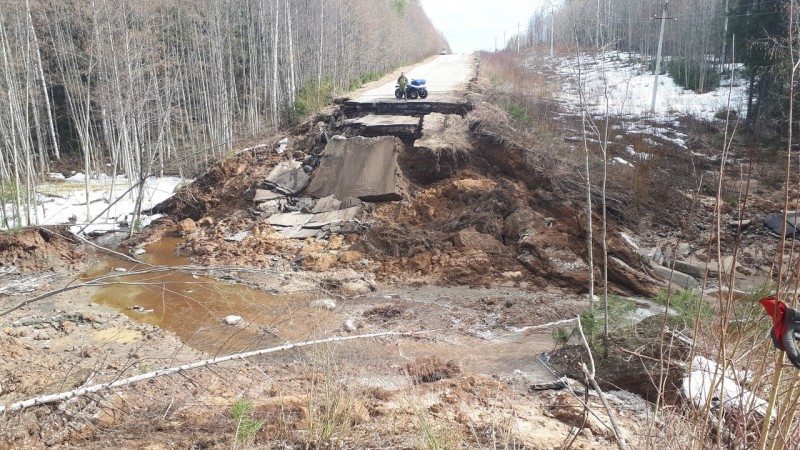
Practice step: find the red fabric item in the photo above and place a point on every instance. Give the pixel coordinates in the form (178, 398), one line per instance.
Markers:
(777, 312)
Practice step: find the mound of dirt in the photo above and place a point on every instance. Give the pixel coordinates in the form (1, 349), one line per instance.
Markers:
(39, 249)
(227, 187)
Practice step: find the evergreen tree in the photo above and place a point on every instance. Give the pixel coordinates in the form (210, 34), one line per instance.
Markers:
(759, 28)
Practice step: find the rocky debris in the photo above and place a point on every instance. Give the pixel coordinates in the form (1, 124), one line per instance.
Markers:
(186, 226)
(471, 238)
(356, 287)
(238, 236)
(288, 177)
(653, 254)
(39, 249)
(264, 195)
(350, 325)
(16, 283)
(232, 319)
(348, 282)
(775, 223)
(567, 409)
(365, 168)
(283, 145)
(677, 277)
(541, 254)
(319, 262)
(323, 303)
(350, 256)
(305, 217)
(516, 224)
(698, 270)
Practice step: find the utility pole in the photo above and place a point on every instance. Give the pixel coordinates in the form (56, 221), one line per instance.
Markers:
(519, 36)
(597, 29)
(658, 56)
(505, 43)
(495, 44)
(725, 33)
(551, 29)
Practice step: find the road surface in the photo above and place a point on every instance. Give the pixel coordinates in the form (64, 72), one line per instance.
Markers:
(447, 77)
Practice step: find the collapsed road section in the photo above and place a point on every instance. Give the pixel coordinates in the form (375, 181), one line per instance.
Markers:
(351, 171)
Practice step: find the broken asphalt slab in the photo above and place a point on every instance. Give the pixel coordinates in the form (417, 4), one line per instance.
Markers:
(365, 168)
(288, 177)
(298, 225)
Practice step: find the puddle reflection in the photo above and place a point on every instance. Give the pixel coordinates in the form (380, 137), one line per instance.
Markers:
(194, 306)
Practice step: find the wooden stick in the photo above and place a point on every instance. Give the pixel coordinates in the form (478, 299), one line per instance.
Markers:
(590, 375)
(50, 398)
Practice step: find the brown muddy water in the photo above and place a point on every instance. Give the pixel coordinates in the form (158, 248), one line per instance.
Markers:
(193, 306)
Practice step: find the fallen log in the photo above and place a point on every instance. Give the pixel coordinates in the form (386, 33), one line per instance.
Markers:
(51, 398)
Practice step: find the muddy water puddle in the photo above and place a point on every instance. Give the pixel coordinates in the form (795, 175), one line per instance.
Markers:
(194, 307)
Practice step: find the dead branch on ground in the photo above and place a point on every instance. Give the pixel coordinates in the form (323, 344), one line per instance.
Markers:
(50, 398)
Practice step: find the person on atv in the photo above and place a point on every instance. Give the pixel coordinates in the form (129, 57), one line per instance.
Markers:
(403, 81)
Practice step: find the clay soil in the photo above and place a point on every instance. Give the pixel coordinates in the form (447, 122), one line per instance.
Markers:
(477, 253)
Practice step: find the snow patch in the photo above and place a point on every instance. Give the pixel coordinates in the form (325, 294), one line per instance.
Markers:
(707, 380)
(69, 202)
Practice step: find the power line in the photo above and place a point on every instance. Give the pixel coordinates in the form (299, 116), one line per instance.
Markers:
(685, 18)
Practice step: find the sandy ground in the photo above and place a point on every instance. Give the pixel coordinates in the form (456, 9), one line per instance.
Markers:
(463, 382)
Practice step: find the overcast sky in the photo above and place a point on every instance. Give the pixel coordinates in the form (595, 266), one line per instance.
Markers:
(473, 25)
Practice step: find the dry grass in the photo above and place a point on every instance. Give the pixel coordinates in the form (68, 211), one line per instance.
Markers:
(509, 83)
(482, 210)
(391, 239)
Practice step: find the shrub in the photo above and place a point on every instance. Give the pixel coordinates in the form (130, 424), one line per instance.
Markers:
(560, 336)
(364, 78)
(695, 75)
(312, 97)
(246, 426)
(518, 113)
(686, 306)
(619, 315)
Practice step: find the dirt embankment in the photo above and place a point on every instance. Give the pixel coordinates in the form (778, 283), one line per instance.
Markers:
(39, 249)
(487, 216)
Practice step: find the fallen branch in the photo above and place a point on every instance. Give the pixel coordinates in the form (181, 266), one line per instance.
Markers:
(50, 398)
(617, 432)
(544, 325)
(590, 375)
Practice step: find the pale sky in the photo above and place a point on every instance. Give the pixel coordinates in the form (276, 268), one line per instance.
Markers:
(472, 25)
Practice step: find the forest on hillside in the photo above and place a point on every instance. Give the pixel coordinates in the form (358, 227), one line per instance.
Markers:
(152, 86)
